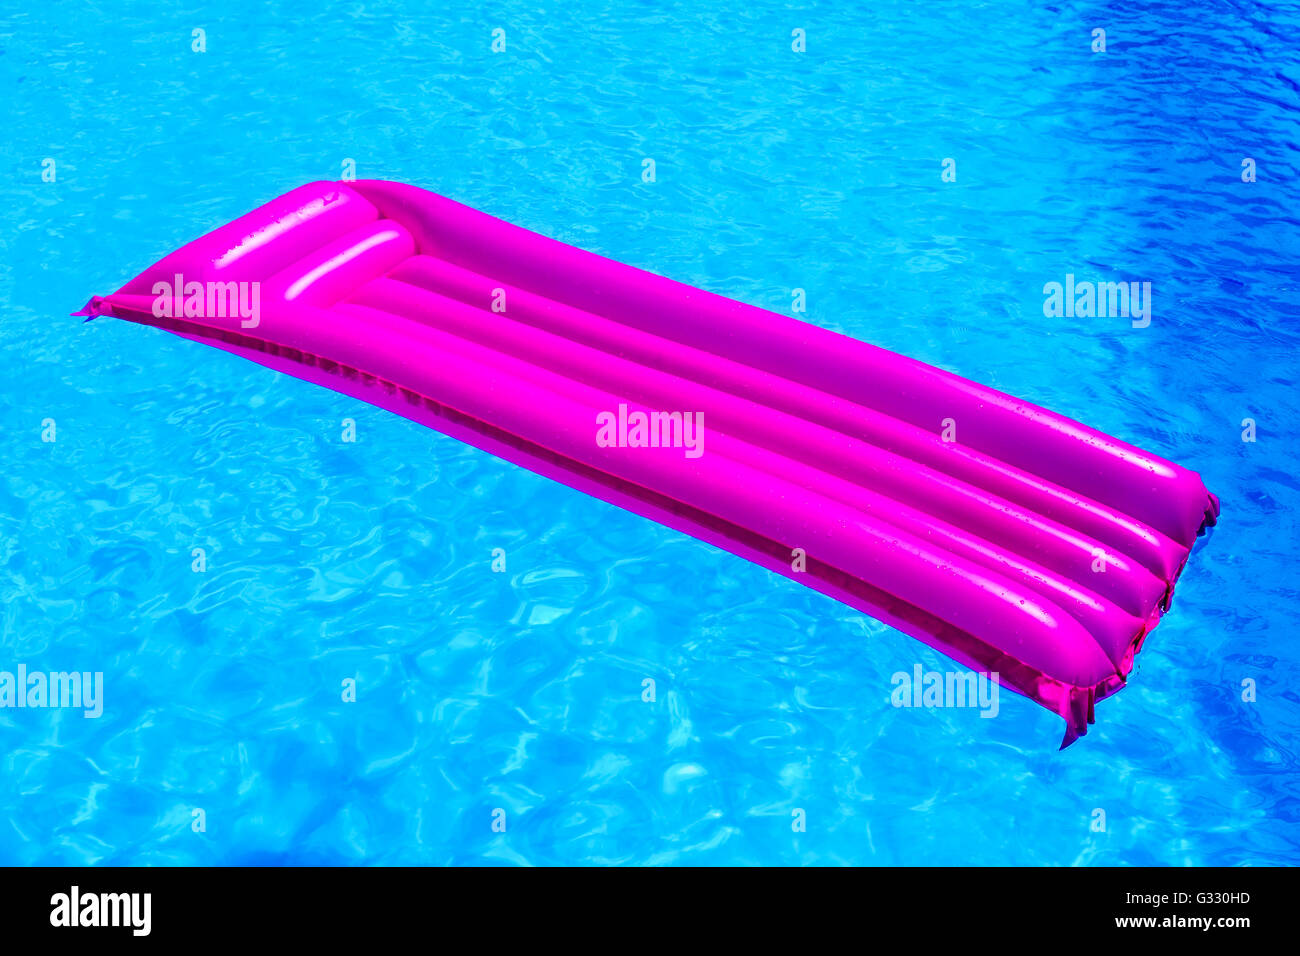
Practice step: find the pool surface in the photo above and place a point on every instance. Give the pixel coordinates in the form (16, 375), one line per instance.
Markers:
(516, 696)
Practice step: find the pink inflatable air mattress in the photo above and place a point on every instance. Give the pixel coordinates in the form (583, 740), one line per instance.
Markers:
(1013, 540)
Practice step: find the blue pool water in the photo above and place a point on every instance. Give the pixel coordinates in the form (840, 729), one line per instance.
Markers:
(521, 691)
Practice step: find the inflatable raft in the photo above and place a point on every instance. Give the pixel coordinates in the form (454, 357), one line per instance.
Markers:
(1013, 540)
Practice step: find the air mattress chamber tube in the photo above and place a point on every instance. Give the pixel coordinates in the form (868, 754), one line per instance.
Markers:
(1031, 547)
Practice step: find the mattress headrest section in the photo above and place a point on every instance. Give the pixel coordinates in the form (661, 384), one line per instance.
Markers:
(266, 240)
